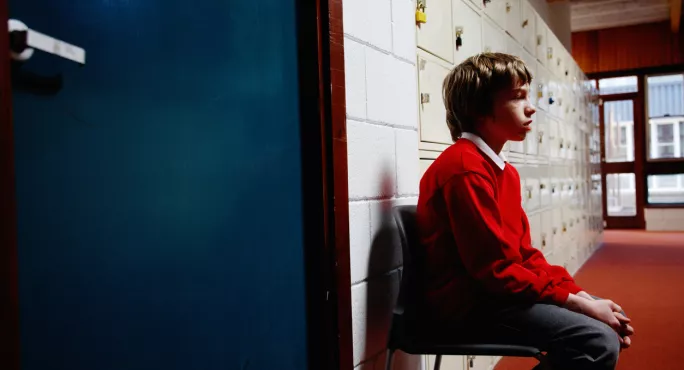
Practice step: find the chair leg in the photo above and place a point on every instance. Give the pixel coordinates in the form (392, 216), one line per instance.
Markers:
(438, 361)
(388, 363)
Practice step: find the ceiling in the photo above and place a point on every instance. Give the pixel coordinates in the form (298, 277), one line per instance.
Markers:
(598, 14)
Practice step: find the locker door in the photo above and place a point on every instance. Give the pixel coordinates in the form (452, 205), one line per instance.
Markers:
(542, 88)
(424, 165)
(496, 11)
(536, 230)
(554, 141)
(531, 63)
(494, 39)
(545, 235)
(542, 136)
(513, 23)
(541, 42)
(512, 46)
(448, 362)
(468, 23)
(436, 36)
(529, 26)
(433, 127)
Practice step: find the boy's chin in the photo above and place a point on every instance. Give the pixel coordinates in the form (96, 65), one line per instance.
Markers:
(519, 137)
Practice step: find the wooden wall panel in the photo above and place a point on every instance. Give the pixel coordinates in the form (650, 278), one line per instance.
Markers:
(625, 48)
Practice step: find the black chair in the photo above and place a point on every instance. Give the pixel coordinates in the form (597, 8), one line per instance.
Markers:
(405, 328)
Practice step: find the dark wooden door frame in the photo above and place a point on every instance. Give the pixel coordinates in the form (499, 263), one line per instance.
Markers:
(637, 167)
(325, 192)
(324, 137)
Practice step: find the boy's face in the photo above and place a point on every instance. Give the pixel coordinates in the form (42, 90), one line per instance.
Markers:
(511, 118)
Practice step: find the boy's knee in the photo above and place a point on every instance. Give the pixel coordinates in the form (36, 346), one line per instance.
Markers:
(604, 346)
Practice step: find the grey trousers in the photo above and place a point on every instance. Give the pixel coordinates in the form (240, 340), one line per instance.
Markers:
(571, 340)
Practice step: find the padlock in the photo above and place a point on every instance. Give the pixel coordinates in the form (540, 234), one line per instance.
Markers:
(421, 17)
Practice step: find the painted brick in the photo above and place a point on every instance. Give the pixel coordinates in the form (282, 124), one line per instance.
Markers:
(391, 90)
(359, 239)
(355, 78)
(408, 163)
(404, 29)
(369, 21)
(371, 159)
(372, 304)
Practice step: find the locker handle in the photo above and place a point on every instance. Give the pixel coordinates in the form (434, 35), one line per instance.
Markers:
(555, 231)
(529, 192)
(541, 137)
(508, 7)
(542, 186)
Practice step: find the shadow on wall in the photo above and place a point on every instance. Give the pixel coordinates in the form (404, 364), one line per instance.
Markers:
(382, 288)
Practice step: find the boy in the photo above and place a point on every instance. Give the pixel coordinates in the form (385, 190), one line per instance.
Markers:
(483, 277)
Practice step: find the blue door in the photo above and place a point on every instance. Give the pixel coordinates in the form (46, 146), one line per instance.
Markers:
(159, 193)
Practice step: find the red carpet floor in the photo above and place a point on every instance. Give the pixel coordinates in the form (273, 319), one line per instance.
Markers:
(644, 273)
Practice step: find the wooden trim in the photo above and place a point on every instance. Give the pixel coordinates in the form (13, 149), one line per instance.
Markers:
(9, 264)
(640, 150)
(675, 15)
(664, 168)
(637, 166)
(618, 97)
(665, 205)
(618, 167)
(337, 156)
(675, 68)
(321, 312)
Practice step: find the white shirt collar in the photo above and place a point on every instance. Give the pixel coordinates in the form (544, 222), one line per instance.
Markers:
(499, 159)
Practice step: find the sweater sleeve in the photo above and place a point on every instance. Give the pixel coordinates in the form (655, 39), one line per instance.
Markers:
(476, 224)
(535, 260)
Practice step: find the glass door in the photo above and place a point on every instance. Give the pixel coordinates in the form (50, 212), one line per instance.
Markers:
(623, 180)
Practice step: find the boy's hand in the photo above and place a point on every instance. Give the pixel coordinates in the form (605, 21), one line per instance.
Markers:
(605, 311)
(586, 295)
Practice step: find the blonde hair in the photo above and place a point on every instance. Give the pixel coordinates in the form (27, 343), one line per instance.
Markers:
(470, 88)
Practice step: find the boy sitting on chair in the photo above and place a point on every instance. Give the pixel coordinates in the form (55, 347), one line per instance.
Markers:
(482, 273)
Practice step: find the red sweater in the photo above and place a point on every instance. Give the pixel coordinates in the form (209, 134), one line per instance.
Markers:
(476, 236)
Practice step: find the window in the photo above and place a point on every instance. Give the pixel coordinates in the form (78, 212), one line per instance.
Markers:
(666, 138)
(666, 189)
(618, 85)
(621, 194)
(618, 120)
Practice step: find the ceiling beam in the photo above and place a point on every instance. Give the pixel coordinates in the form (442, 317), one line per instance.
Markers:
(675, 15)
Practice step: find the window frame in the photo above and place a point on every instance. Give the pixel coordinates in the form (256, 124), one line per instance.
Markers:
(665, 166)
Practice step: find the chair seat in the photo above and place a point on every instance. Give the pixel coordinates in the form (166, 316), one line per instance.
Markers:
(470, 349)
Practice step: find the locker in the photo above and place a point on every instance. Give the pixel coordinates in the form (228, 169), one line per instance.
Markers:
(531, 64)
(544, 190)
(542, 136)
(433, 127)
(512, 47)
(552, 95)
(513, 24)
(468, 24)
(529, 26)
(496, 11)
(532, 140)
(424, 165)
(545, 224)
(554, 141)
(542, 88)
(532, 193)
(493, 38)
(542, 51)
(535, 230)
(436, 36)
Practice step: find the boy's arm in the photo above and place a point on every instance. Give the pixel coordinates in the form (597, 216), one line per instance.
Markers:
(535, 258)
(476, 224)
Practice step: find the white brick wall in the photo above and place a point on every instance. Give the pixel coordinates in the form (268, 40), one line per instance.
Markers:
(382, 137)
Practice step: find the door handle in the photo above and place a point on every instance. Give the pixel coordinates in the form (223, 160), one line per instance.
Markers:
(24, 40)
